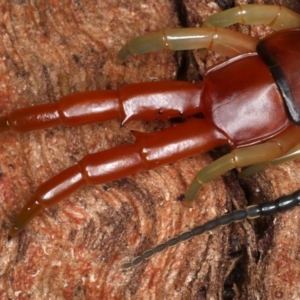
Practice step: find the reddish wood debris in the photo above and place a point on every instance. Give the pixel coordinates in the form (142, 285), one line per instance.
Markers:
(74, 250)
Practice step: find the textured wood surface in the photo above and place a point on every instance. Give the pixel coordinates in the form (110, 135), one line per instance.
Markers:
(74, 250)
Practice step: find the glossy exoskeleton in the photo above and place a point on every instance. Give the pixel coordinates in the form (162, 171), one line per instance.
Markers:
(250, 102)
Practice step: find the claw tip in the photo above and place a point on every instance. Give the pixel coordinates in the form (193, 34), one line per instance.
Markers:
(4, 125)
(13, 232)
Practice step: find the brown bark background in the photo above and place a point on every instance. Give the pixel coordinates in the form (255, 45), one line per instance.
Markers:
(74, 250)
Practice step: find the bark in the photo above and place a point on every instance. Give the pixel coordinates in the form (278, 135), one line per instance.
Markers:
(74, 250)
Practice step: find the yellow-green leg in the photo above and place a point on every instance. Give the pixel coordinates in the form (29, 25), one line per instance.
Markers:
(291, 155)
(223, 41)
(220, 40)
(275, 16)
(238, 158)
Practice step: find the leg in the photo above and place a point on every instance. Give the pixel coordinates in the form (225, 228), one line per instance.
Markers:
(223, 41)
(147, 101)
(149, 151)
(291, 155)
(277, 17)
(239, 158)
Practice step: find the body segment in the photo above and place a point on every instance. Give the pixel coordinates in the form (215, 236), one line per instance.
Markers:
(234, 100)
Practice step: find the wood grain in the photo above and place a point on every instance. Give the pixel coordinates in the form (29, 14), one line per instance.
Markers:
(74, 250)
